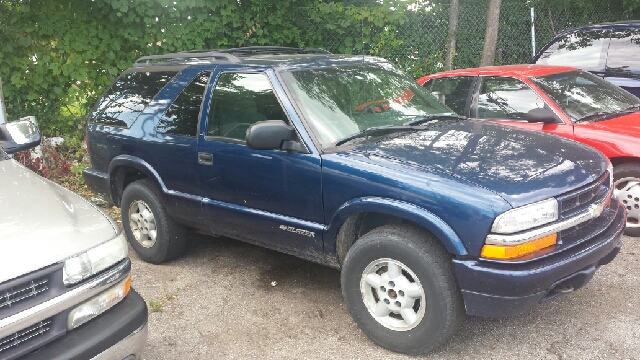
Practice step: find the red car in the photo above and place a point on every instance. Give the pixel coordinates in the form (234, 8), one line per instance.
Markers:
(560, 100)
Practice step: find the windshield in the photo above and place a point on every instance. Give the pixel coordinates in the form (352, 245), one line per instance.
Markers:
(586, 97)
(341, 101)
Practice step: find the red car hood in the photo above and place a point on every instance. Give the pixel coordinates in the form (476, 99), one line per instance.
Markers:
(615, 137)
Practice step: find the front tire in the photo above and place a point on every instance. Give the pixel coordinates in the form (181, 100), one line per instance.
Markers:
(399, 287)
(626, 179)
(152, 233)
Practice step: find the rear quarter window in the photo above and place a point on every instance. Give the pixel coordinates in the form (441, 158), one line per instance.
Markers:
(585, 50)
(623, 59)
(128, 96)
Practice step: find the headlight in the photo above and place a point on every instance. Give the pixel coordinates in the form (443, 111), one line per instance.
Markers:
(99, 304)
(526, 217)
(95, 260)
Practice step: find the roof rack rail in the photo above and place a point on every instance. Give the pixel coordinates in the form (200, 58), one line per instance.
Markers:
(257, 50)
(185, 57)
(230, 55)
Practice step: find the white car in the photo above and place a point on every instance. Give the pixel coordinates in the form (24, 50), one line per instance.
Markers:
(65, 273)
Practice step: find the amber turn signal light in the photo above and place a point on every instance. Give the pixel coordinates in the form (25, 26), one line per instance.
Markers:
(515, 251)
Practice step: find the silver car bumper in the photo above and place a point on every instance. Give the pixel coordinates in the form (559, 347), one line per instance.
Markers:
(129, 348)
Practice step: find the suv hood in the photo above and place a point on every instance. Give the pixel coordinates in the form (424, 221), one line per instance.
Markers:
(521, 166)
(43, 223)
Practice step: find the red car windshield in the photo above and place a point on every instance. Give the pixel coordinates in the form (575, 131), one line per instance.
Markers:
(586, 97)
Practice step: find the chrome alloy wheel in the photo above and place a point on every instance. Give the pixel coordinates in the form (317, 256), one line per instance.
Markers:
(142, 223)
(627, 191)
(393, 294)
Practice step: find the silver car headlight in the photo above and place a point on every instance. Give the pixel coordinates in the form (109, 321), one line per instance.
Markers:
(95, 260)
(526, 217)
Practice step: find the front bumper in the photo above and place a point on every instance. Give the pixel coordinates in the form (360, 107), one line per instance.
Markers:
(498, 289)
(119, 333)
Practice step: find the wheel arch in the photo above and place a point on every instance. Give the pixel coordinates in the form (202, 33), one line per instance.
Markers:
(357, 217)
(125, 169)
(620, 160)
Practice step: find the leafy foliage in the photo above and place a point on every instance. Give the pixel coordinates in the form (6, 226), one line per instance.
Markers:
(58, 57)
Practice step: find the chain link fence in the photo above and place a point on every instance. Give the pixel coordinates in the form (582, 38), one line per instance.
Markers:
(418, 43)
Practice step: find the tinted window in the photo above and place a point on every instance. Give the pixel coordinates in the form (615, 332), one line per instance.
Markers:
(181, 118)
(453, 90)
(506, 98)
(128, 96)
(585, 50)
(623, 58)
(240, 100)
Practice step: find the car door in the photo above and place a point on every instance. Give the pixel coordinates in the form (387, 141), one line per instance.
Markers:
(508, 100)
(272, 197)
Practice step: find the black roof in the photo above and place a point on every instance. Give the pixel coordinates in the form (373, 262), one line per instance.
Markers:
(616, 25)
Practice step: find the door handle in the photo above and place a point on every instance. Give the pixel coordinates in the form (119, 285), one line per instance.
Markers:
(205, 158)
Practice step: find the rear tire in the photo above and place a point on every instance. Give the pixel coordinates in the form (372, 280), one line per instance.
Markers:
(152, 233)
(626, 178)
(399, 286)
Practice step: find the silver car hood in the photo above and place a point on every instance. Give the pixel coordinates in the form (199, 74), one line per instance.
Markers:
(42, 223)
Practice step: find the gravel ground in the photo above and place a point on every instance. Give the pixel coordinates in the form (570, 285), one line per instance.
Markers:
(217, 302)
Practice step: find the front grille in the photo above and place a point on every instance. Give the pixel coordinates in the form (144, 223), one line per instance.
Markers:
(580, 199)
(24, 291)
(30, 333)
(29, 290)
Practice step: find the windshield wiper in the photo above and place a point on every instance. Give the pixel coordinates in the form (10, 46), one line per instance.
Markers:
(632, 108)
(425, 119)
(377, 130)
(601, 115)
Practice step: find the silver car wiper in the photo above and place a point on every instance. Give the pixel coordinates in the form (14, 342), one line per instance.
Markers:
(376, 130)
(427, 118)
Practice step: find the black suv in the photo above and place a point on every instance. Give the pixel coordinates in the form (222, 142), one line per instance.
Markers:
(609, 50)
(345, 161)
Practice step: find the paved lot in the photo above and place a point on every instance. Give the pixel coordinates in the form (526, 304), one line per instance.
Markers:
(217, 302)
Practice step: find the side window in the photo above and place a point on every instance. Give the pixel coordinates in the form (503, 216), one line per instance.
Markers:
(239, 101)
(506, 98)
(584, 50)
(623, 53)
(181, 118)
(452, 91)
(128, 96)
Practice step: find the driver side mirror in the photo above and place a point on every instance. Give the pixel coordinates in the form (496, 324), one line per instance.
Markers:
(272, 135)
(19, 135)
(541, 115)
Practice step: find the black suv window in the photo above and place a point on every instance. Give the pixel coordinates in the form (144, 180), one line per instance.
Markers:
(453, 90)
(623, 53)
(239, 101)
(585, 50)
(181, 118)
(506, 98)
(128, 96)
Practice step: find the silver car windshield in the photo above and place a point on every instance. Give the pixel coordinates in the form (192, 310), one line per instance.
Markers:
(339, 101)
(586, 97)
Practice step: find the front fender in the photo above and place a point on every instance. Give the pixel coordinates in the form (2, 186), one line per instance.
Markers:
(401, 209)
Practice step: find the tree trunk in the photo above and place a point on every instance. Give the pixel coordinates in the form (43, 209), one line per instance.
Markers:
(491, 35)
(453, 27)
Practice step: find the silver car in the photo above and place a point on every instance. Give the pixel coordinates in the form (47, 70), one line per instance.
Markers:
(65, 282)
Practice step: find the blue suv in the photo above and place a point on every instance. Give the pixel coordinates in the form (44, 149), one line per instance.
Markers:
(345, 161)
